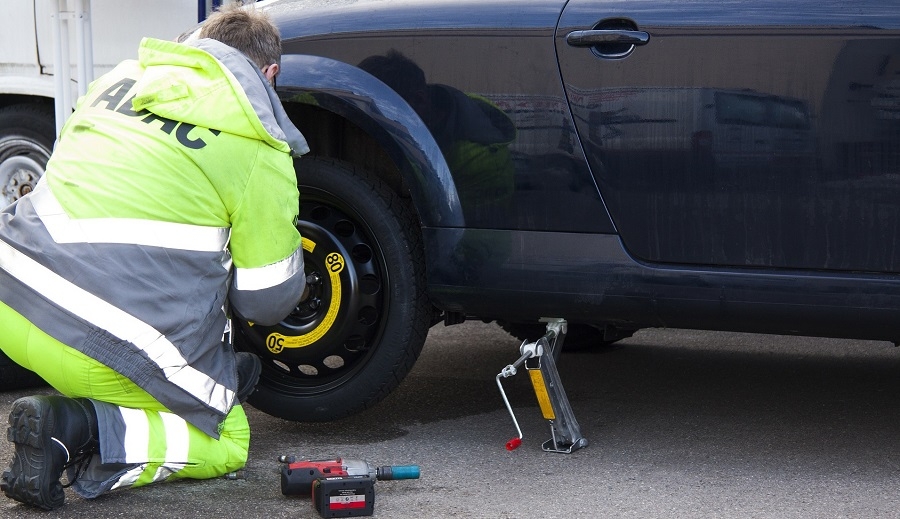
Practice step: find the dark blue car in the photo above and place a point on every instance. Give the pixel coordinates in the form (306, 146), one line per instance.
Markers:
(621, 164)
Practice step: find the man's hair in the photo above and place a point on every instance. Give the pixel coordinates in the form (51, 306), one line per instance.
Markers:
(247, 30)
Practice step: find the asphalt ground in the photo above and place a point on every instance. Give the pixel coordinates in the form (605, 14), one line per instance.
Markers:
(681, 424)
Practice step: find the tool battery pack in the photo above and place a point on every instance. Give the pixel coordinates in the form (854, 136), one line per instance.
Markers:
(344, 496)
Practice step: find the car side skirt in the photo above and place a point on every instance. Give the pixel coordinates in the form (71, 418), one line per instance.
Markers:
(494, 274)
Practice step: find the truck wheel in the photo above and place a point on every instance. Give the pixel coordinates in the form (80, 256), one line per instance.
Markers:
(27, 132)
(26, 137)
(361, 329)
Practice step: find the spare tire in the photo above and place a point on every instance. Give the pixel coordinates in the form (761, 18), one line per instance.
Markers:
(358, 333)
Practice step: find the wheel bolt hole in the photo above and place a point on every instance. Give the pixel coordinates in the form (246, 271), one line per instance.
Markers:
(361, 253)
(367, 315)
(306, 369)
(355, 343)
(320, 213)
(334, 362)
(369, 285)
(344, 228)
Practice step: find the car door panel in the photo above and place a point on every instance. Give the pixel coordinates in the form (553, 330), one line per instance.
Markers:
(738, 136)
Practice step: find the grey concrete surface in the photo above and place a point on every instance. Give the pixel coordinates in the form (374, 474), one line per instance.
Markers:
(682, 424)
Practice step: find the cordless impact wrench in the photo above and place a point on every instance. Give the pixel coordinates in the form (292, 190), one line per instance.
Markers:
(339, 487)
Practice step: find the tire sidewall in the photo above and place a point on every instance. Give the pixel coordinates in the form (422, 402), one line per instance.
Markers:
(13, 376)
(33, 122)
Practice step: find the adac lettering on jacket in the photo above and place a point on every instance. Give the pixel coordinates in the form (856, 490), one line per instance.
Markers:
(114, 98)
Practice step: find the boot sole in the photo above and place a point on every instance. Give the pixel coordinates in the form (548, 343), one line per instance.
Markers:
(31, 467)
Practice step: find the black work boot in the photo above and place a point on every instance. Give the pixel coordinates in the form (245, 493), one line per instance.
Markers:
(248, 370)
(49, 433)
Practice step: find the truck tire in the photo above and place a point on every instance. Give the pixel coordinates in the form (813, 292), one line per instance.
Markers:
(27, 132)
(13, 376)
(361, 329)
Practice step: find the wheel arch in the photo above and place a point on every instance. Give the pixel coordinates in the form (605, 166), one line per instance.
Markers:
(346, 113)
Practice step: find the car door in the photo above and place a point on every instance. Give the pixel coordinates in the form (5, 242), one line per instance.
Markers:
(751, 134)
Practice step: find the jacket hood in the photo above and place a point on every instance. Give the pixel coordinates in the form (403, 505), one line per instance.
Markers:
(236, 97)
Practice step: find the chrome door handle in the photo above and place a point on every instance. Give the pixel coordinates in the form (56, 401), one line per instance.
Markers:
(600, 36)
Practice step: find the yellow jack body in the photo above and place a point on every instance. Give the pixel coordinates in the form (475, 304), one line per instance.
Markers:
(540, 391)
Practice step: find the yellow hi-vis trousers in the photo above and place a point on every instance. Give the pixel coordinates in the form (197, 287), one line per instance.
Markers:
(135, 429)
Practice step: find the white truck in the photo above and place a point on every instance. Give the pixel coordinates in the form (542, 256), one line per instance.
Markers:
(89, 37)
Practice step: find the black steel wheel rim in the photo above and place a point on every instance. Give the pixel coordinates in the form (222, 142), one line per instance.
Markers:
(324, 342)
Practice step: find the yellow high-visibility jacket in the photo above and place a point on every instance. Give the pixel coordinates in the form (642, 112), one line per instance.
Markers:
(171, 187)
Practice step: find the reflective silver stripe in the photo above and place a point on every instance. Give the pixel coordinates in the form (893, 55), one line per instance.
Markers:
(269, 276)
(177, 444)
(130, 231)
(127, 479)
(121, 324)
(137, 445)
(137, 435)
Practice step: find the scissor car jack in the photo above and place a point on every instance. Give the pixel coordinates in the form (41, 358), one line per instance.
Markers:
(538, 358)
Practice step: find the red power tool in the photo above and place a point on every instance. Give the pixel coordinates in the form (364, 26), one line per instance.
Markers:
(339, 487)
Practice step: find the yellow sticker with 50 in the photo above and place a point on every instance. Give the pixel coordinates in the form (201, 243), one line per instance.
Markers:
(334, 262)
